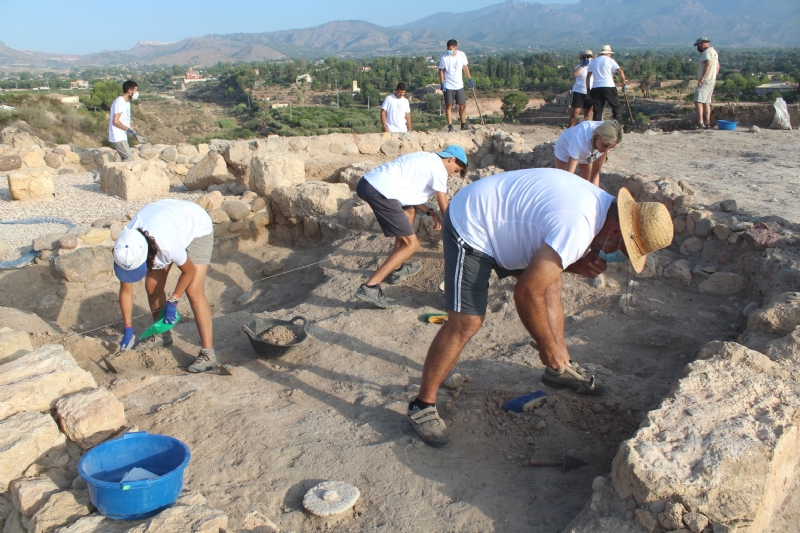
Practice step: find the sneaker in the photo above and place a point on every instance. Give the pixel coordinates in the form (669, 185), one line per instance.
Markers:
(153, 342)
(699, 126)
(573, 377)
(374, 295)
(449, 127)
(430, 427)
(464, 126)
(206, 361)
(405, 271)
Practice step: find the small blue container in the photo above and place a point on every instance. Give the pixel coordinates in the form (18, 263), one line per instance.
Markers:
(104, 466)
(726, 124)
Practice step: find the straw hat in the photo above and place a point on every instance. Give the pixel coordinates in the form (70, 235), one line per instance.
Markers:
(646, 227)
(587, 53)
(606, 50)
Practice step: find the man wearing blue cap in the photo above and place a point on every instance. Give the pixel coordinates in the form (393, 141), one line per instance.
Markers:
(396, 191)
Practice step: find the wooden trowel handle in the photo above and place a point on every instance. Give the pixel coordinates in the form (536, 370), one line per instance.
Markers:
(545, 462)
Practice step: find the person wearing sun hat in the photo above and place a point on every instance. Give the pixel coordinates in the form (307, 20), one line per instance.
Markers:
(161, 234)
(706, 80)
(534, 224)
(600, 79)
(580, 92)
(396, 191)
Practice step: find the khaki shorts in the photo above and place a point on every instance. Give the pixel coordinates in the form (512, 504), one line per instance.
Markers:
(123, 150)
(199, 250)
(702, 93)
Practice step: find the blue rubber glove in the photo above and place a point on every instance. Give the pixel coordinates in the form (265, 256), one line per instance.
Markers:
(131, 132)
(170, 313)
(443, 89)
(585, 62)
(624, 89)
(128, 339)
(471, 84)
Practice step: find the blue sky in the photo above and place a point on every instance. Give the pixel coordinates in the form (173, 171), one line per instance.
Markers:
(83, 26)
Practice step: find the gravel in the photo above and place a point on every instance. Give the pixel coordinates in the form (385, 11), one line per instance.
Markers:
(77, 198)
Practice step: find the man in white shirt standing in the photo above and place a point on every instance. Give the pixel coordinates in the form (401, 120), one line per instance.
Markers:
(600, 77)
(706, 80)
(451, 66)
(119, 123)
(395, 111)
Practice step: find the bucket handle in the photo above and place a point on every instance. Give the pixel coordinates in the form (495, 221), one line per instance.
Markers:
(249, 332)
(305, 322)
(134, 435)
(138, 484)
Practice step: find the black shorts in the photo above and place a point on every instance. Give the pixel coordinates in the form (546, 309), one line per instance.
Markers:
(458, 95)
(389, 213)
(581, 101)
(466, 273)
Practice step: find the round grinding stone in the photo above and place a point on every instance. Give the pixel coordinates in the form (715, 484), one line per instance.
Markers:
(330, 498)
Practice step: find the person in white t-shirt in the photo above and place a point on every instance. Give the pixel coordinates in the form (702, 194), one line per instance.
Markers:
(706, 80)
(451, 66)
(396, 191)
(395, 111)
(533, 224)
(160, 234)
(119, 121)
(600, 77)
(580, 92)
(587, 145)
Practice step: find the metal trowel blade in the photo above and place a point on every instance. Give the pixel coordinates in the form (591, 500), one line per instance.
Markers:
(572, 463)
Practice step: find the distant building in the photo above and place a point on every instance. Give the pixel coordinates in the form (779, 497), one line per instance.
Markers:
(192, 74)
(366, 69)
(303, 78)
(662, 84)
(355, 87)
(257, 71)
(563, 99)
(277, 105)
(776, 87)
(771, 75)
(79, 84)
(433, 88)
(72, 100)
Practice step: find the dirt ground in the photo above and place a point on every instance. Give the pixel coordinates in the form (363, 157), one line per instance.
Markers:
(334, 407)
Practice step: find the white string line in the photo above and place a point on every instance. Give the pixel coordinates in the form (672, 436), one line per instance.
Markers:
(156, 310)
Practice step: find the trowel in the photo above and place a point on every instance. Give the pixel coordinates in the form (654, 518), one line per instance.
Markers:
(567, 463)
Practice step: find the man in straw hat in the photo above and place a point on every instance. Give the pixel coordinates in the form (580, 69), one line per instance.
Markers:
(706, 80)
(600, 78)
(580, 92)
(533, 224)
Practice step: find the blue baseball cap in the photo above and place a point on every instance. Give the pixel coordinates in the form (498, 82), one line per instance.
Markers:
(454, 151)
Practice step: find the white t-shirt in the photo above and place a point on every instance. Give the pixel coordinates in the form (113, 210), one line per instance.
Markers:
(580, 80)
(510, 215)
(396, 109)
(115, 134)
(453, 66)
(174, 224)
(603, 69)
(411, 179)
(710, 55)
(576, 141)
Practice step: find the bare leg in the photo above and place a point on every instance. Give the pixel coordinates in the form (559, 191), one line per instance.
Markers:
(462, 113)
(555, 316)
(707, 114)
(404, 247)
(573, 116)
(202, 311)
(154, 284)
(698, 109)
(448, 113)
(445, 351)
(560, 165)
(588, 114)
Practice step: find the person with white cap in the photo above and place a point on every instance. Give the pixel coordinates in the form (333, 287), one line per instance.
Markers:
(706, 80)
(396, 191)
(587, 145)
(160, 234)
(600, 78)
(534, 224)
(580, 92)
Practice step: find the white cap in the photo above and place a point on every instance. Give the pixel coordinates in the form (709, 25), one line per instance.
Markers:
(130, 255)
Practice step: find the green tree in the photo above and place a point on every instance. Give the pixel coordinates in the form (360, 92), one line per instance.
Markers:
(514, 103)
(433, 103)
(103, 94)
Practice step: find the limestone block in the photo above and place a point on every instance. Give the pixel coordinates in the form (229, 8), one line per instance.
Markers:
(54, 160)
(647, 520)
(723, 283)
(71, 158)
(97, 523)
(692, 245)
(391, 148)
(209, 171)
(703, 227)
(33, 159)
(13, 523)
(36, 380)
(88, 418)
(95, 236)
(180, 170)
(672, 517)
(787, 347)
(24, 438)
(28, 494)
(184, 518)
(31, 184)
(187, 149)
(148, 154)
(238, 155)
(218, 216)
(168, 154)
(262, 218)
(724, 443)
(191, 497)
(134, 180)
(211, 201)
(353, 173)
(10, 162)
(68, 242)
(237, 227)
(269, 171)
(696, 522)
(313, 199)
(259, 204)
(13, 345)
(236, 210)
(84, 264)
(47, 242)
(780, 316)
(362, 217)
(202, 149)
(761, 239)
(60, 510)
(680, 270)
(255, 522)
(427, 232)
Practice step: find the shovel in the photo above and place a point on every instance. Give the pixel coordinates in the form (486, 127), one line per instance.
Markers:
(483, 122)
(567, 463)
(627, 103)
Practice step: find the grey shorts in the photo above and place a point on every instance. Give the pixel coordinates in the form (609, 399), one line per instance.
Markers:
(466, 273)
(199, 250)
(702, 93)
(123, 150)
(389, 213)
(459, 95)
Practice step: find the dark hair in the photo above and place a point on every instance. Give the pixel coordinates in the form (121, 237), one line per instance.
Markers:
(152, 248)
(452, 42)
(613, 211)
(128, 85)
(401, 86)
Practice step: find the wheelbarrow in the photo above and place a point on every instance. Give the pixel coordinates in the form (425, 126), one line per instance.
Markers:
(270, 350)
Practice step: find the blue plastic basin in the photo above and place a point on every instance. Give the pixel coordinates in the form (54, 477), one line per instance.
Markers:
(104, 466)
(726, 124)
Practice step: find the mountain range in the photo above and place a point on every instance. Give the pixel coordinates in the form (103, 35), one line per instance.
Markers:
(511, 25)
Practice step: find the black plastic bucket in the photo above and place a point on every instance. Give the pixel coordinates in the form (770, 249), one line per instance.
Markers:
(267, 349)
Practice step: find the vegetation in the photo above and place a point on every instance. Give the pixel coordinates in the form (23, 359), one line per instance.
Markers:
(55, 122)
(514, 104)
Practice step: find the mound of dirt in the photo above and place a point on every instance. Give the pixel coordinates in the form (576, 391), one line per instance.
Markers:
(278, 335)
